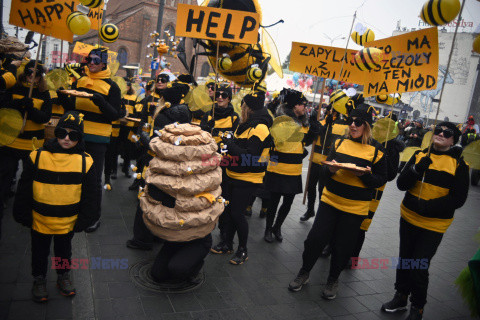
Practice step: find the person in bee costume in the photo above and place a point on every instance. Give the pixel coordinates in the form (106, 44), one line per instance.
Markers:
(284, 174)
(63, 167)
(38, 109)
(345, 200)
(219, 121)
(99, 110)
(436, 185)
(251, 140)
(173, 110)
(8, 71)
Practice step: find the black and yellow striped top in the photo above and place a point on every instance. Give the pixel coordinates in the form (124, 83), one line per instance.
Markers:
(443, 190)
(344, 190)
(57, 109)
(226, 119)
(130, 101)
(57, 174)
(7, 78)
(337, 130)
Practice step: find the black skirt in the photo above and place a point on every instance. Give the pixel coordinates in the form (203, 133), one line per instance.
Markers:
(281, 183)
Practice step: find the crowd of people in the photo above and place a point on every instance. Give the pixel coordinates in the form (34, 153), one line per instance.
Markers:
(81, 160)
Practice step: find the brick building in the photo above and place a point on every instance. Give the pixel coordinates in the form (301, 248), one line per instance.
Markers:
(136, 19)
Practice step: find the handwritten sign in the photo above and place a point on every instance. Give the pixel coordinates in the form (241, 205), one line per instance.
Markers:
(46, 17)
(95, 15)
(83, 49)
(217, 24)
(410, 64)
(324, 61)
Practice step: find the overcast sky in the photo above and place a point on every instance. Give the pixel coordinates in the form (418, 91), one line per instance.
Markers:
(313, 21)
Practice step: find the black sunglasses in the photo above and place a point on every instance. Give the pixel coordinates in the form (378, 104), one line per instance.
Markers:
(222, 94)
(62, 133)
(94, 60)
(358, 122)
(447, 133)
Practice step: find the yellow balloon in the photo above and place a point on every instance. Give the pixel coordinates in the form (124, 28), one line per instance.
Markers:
(78, 23)
(439, 12)
(91, 3)
(339, 99)
(108, 33)
(225, 63)
(367, 36)
(368, 59)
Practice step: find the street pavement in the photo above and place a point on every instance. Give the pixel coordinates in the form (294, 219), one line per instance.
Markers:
(255, 290)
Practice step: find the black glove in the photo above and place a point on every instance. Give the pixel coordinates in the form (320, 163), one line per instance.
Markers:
(211, 124)
(314, 127)
(61, 96)
(422, 165)
(28, 103)
(98, 99)
(18, 104)
(329, 119)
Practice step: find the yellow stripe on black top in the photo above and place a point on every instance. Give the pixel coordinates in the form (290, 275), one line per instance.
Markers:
(288, 157)
(338, 130)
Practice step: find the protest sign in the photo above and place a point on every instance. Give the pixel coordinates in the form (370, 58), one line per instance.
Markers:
(325, 62)
(45, 17)
(217, 24)
(95, 15)
(410, 64)
(84, 49)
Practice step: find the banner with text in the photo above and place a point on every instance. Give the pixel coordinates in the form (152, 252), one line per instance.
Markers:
(410, 63)
(46, 17)
(325, 62)
(95, 15)
(217, 24)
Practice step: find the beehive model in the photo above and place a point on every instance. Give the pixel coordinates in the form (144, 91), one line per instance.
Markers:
(186, 168)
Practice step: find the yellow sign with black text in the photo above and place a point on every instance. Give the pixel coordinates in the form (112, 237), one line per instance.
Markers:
(217, 24)
(95, 15)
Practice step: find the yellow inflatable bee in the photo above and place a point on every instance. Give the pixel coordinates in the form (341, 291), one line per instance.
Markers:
(389, 99)
(362, 38)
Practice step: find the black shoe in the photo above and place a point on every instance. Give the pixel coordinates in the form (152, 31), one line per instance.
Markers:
(268, 235)
(134, 185)
(309, 214)
(248, 211)
(127, 173)
(415, 314)
(65, 285)
(239, 257)
(134, 244)
(277, 232)
(93, 227)
(221, 248)
(39, 289)
(301, 279)
(263, 213)
(398, 303)
(326, 251)
(331, 289)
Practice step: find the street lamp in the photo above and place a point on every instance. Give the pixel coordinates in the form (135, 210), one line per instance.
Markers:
(339, 37)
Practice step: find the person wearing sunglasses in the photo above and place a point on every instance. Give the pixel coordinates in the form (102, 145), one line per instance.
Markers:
(218, 121)
(250, 141)
(56, 197)
(37, 110)
(100, 110)
(284, 173)
(345, 199)
(436, 185)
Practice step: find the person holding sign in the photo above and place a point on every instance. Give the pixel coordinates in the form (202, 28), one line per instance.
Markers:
(37, 108)
(436, 184)
(345, 199)
(100, 110)
(284, 177)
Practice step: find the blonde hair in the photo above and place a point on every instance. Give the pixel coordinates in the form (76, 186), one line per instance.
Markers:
(366, 134)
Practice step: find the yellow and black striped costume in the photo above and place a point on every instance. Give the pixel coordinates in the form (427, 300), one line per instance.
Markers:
(226, 119)
(98, 123)
(337, 130)
(443, 190)
(346, 191)
(7, 78)
(36, 118)
(57, 109)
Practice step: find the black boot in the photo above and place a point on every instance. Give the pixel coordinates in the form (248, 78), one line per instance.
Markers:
(268, 235)
(309, 214)
(277, 232)
(134, 185)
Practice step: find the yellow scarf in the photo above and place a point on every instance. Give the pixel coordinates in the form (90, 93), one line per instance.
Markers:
(104, 74)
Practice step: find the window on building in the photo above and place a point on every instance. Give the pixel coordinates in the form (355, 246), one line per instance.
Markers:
(122, 56)
(172, 3)
(55, 47)
(205, 69)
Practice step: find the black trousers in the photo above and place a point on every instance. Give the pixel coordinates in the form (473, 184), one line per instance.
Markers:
(359, 244)
(125, 148)
(180, 260)
(416, 244)
(340, 227)
(221, 220)
(235, 221)
(282, 212)
(62, 247)
(97, 152)
(111, 157)
(314, 179)
(141, 233)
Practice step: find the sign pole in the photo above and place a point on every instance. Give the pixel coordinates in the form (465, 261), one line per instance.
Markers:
(216, 82)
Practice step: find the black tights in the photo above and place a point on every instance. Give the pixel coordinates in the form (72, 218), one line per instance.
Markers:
(282, 212)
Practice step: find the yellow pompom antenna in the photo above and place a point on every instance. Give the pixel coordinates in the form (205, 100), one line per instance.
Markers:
(78, 23)
(439, 12)
(109, 33)
(368, 59)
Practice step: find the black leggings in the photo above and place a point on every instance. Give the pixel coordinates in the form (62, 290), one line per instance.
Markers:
(235, 221)
(97, 152)
(111, 157)
(340, 227)
(62, 246)
(315, 177)
(180, 260)
(282, 213)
